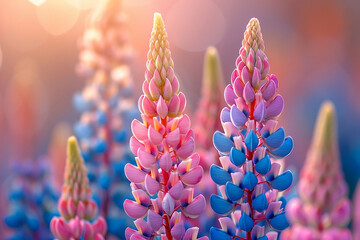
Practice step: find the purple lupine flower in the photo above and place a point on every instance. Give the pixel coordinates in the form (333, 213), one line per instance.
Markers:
(206, 123)
(75, 205)
(107, 108)
(322, 209)
(167, 168)
(250, 177)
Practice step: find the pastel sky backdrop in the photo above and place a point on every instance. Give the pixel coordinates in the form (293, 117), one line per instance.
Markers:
(313, 48)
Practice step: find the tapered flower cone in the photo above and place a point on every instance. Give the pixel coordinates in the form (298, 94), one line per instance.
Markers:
(57, 152)
(211, 102)
(167, 169)
(75, 206)
(323, 208)
(250, 176)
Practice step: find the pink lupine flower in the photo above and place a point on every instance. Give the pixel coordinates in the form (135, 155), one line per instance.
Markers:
(75, 205)
(167, 167)
(322, 210)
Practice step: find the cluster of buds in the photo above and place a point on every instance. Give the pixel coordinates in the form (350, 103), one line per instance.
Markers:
(250, 178)
(32, 201)
(107, 109)
(75, 205)
(166, 169)
(323, 210)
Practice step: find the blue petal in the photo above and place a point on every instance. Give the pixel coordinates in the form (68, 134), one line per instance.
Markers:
(260, 203)
(225, 115)
(101, 117)
(219, 175)
(32, 223)
(83, 130)
(237, 157)
(246, 223)
(120, 136)
(221, 142)
(216, 233)
(279, 221)
(104, 181)
(249, 181)
(263, 238)
(233, 192)
(81, 104)
(100, 146)
(283, 181)
(264, 165)
(283, 202)
(220, 205)
(251, 140)
(276, 139)
(237, 117)
(285, 149)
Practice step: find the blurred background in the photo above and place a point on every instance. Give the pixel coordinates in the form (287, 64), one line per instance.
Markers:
(313, 48)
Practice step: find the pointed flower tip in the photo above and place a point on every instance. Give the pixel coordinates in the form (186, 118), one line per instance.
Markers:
(325, 132)
(213, 79)
(73, 147)
(158, 21)
(253, 36)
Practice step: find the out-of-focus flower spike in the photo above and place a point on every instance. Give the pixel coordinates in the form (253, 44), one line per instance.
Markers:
(75, 205)
(322, 206)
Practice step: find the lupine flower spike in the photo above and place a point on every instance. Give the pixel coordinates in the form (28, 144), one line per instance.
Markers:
(107, 109)
(322, 209)
(206, 123)
(250, 178)
(32, 201)
(75, 205)
(167, 168)
(356, 219)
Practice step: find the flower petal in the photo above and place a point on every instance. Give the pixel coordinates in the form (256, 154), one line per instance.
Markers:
(219, 175)
(134, 174)
(193, 176)
(220, 205)
(221, 142)
(152, 186)
(196, 207)
(134, 210)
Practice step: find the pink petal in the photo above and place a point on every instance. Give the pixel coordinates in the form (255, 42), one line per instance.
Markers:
(100, 226)
(135, 145)
(168, 204)
(184, 124)
(88, 232)
(186, 149)
(141, 197)
(238, 87)
(275, 107)
(165, 162)
(134, 210)
(129, 232)
(196, 207)
(167, 90)
(154, 90)
(191, 233)
(193, 176)
(146, 159)
(162, 108)
(145, 88)
(134, 174)
(62, 229)
(182, 100)
(173, 138)
(63, 208)
(174, 105)
(139, 130)
(229, 95)
(178, 230)
(152, 186)
(154, 136)
(195, 160)
(143, 227)
(175, 85)
(155, 220)
(176, 190)
(80, 211)
(249, 93)
(149, 107)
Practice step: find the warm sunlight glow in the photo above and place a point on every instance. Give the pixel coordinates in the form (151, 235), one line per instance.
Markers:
(83, 4)
(57, 16)
(37, 2)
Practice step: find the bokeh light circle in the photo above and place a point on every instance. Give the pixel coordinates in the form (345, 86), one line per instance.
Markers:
(57, 16)
(193, 28)
(83, 4)
(37, 2)
(20, 31)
